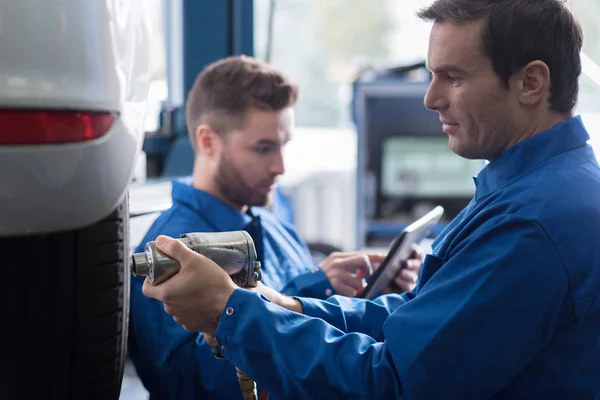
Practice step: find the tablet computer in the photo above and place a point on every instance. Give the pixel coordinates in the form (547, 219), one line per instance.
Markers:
(400, 252)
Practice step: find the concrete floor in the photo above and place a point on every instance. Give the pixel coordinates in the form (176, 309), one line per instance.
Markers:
(132, 388)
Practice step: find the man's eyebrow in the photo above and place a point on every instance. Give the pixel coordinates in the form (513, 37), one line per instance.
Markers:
(266, 142)
(272, 142)
(449, 69)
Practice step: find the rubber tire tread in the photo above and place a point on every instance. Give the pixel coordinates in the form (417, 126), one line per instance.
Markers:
(66, 307)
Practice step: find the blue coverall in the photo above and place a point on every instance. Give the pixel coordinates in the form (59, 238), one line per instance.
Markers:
(175, 364)
(507, 305)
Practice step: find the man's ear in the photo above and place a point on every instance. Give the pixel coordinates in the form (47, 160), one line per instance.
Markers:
(207, 140)
(534, 83)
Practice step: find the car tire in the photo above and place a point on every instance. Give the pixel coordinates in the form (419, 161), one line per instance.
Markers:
(66, 307)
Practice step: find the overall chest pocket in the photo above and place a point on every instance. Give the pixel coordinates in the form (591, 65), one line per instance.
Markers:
(431, 264)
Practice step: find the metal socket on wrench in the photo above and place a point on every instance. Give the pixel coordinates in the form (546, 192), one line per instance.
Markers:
(233, 251)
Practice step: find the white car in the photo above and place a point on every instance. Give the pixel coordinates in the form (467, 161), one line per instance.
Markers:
(73, 87)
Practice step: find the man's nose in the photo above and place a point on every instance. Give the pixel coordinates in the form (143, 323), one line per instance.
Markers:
(277, 165)
(435, 99)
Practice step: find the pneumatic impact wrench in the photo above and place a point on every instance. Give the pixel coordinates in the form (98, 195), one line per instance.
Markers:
(233, 251)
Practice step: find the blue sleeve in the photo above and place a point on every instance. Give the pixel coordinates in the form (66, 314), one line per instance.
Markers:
(313, 284)
(172, 362)
(484, 314)
(299, 357)
(354, 315)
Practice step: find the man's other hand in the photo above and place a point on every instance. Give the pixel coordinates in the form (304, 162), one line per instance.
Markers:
(406, 279)
(197, 294)
(277, 298)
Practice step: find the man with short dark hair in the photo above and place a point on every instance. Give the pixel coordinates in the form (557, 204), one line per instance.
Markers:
(508, 304)
(239, 117)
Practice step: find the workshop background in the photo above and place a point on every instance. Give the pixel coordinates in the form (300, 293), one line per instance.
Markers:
(341, 53)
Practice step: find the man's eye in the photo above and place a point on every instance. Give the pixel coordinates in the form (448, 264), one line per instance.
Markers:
(262, 149)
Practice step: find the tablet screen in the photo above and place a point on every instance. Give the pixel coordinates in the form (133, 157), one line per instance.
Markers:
(400, 252)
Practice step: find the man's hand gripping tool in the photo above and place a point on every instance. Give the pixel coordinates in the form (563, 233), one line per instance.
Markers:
(233, 251)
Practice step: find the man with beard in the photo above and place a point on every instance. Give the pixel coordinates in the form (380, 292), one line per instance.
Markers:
(239, 117)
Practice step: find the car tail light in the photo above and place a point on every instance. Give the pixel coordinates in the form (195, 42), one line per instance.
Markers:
(23, 127)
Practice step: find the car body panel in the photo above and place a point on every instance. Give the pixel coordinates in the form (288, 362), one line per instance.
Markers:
(79, 55)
